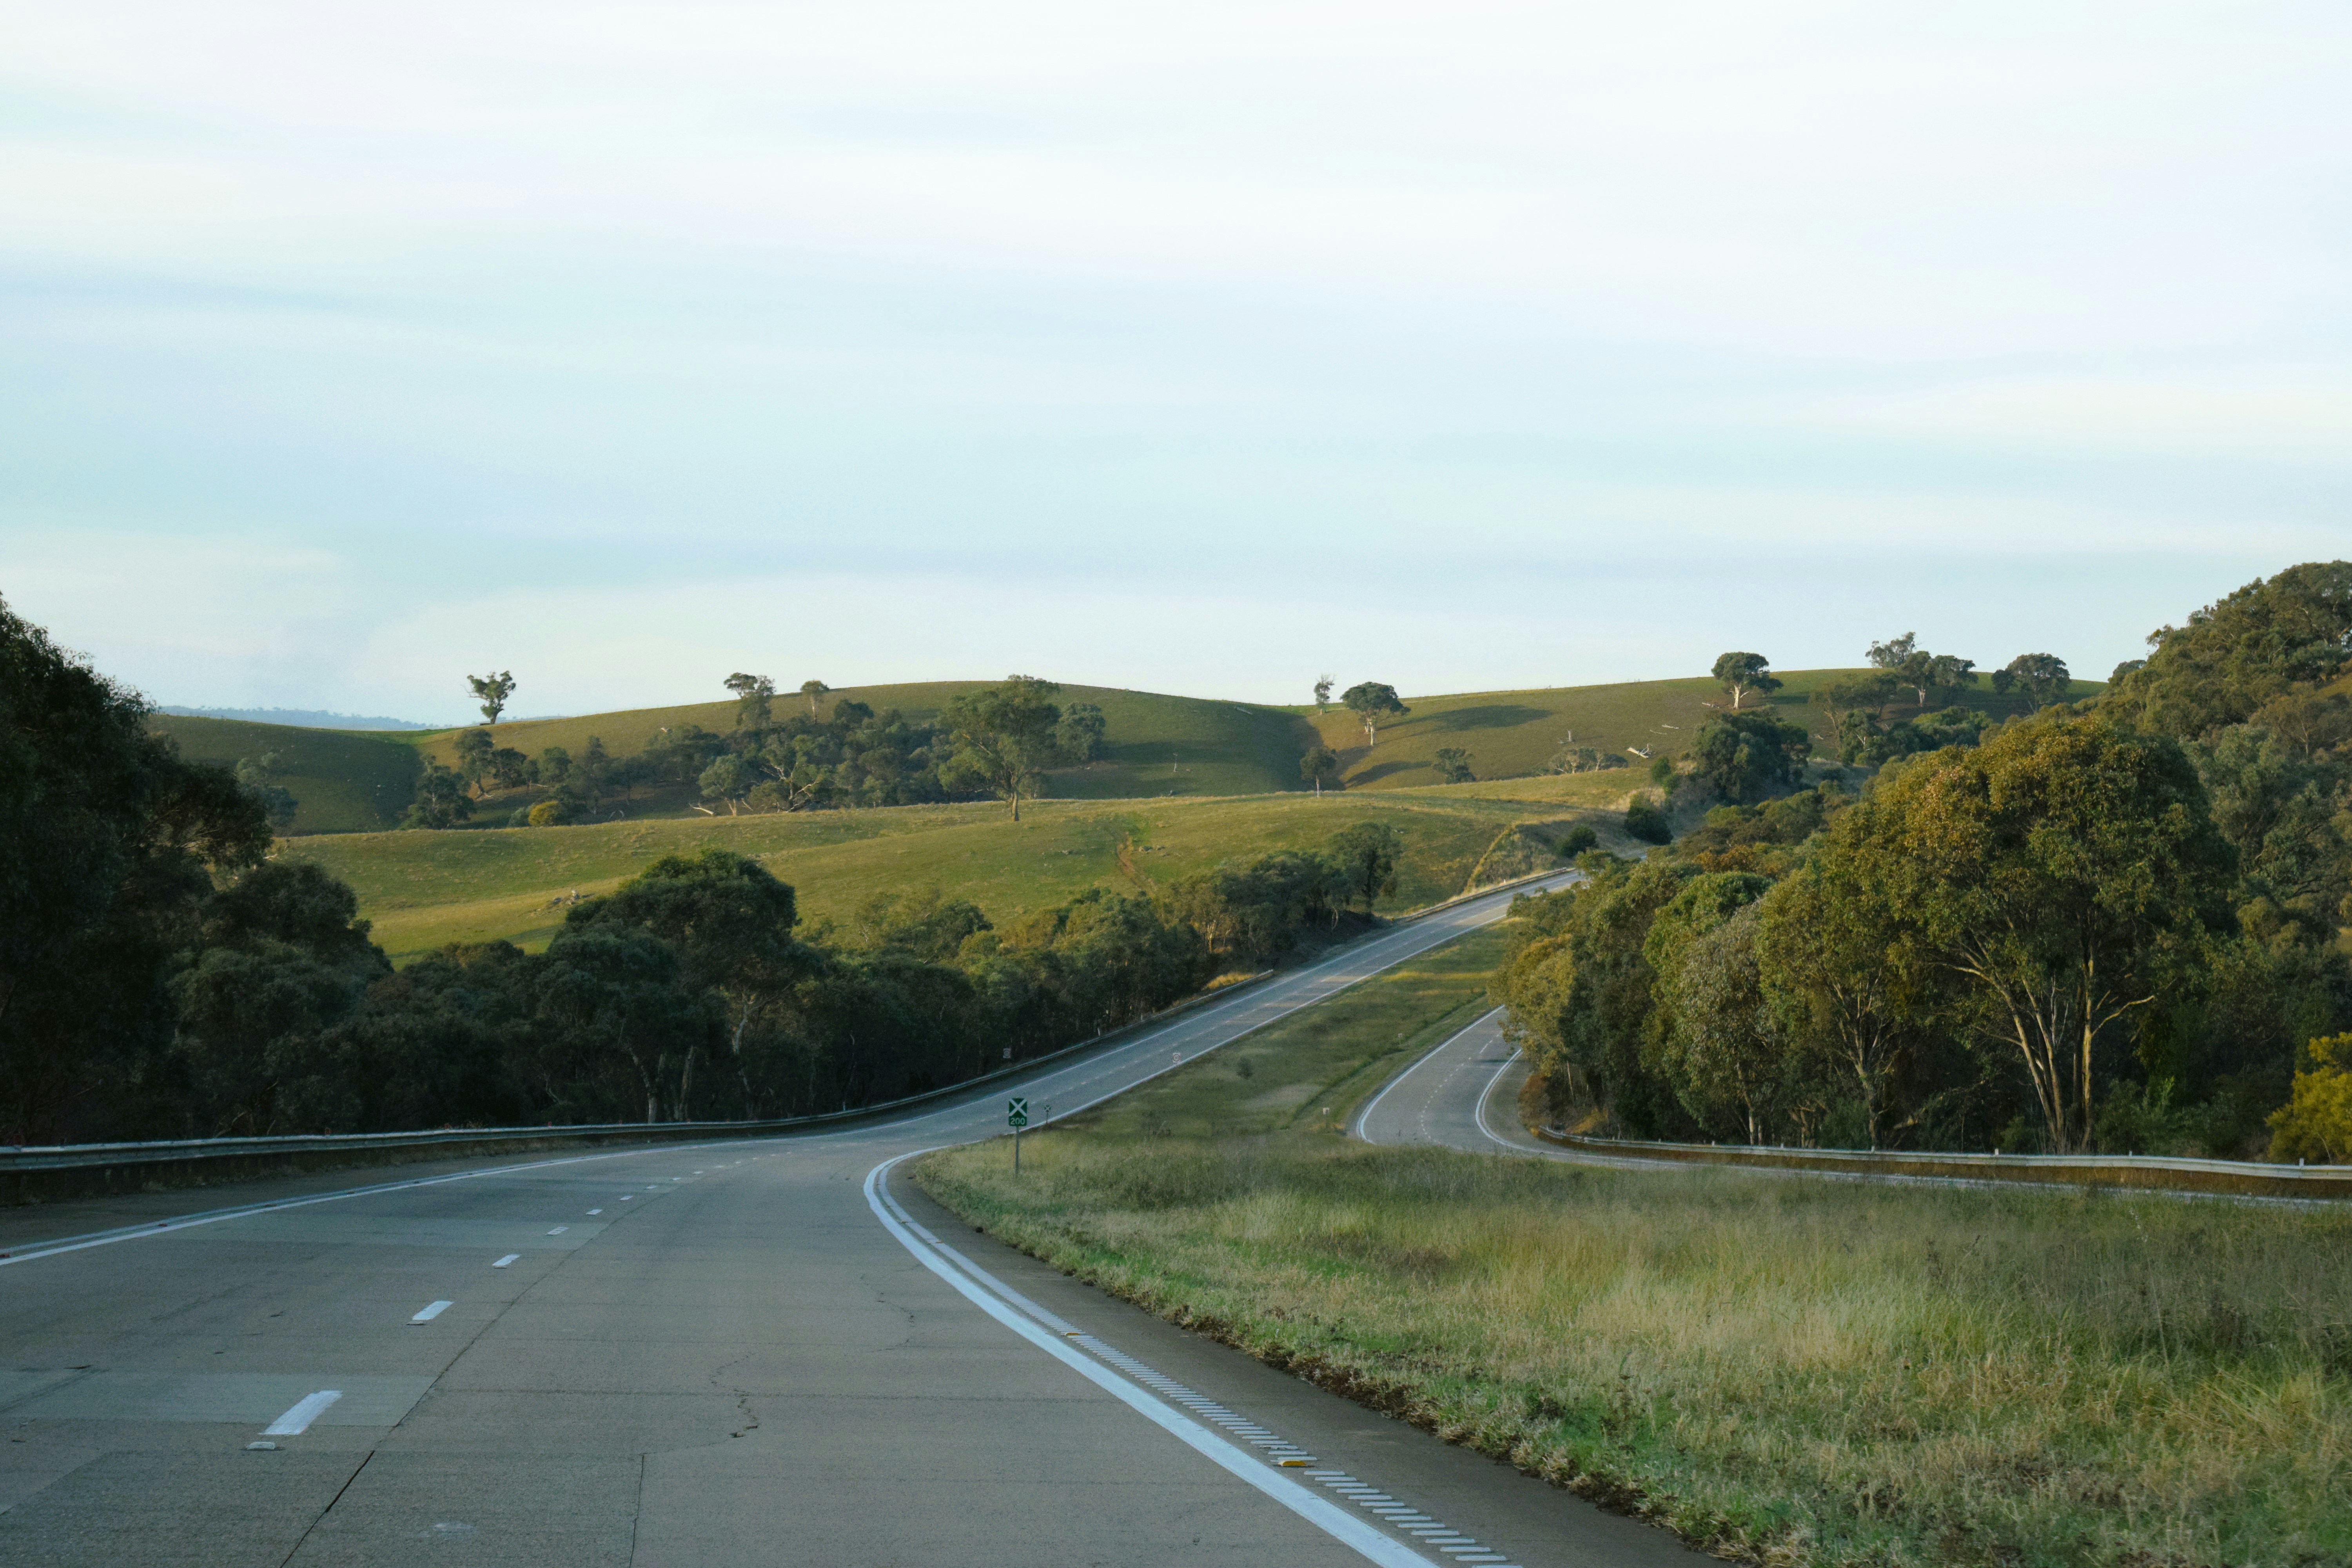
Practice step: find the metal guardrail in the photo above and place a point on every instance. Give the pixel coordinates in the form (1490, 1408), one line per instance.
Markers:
(34, 1172)
(2150, 1172)
(38, 1171)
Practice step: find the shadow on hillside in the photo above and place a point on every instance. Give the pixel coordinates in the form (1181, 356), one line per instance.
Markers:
(1381, 771)
(1493, 716)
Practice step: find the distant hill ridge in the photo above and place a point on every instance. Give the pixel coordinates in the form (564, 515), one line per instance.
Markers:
(299, 718)
(1159, 745)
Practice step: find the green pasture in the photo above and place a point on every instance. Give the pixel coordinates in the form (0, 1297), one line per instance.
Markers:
(423, 890)
(1510, 734)
(342, 781)
(1159, 745)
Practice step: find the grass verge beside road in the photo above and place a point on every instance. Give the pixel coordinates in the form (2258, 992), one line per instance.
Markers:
(1780, 1369)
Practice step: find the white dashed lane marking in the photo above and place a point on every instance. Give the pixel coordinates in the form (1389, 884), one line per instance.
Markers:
(509, 1258)
(559, 1230)
(307, 1409)
(432, 1311)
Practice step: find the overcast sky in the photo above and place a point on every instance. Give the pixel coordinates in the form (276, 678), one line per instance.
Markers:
(1202, 347)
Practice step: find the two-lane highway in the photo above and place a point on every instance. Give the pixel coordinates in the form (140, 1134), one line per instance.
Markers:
(755, 1350)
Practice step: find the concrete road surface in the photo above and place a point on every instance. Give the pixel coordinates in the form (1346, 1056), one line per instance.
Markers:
(747, 1351)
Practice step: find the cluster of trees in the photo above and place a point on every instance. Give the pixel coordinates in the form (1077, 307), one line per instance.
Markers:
(162, 976)
(1858, 707)
(690, 992)
(2108, 924)
(1250, 913)
(998, 741)
(1572, 758)
(686, 995)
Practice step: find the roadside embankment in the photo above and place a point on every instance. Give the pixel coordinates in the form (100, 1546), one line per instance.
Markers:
(1792, 1372)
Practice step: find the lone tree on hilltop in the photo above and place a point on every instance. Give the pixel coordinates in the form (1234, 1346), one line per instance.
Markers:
(1322, 695)
(1890, 654)
(1002, 738)
(1742, 673)
(1369, 700)
(1320, 763)
(492, 692)
(2040, 678)
(814, 691)
(753, 695)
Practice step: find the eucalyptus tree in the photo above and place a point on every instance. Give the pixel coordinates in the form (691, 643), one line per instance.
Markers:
(492, 692)
(754, 693)
(1371, 700)
(1002, 738)
(2064, 874)
(1320, 763)
(1744, 674)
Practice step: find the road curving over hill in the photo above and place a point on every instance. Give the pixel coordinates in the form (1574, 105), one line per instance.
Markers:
(743, 1351)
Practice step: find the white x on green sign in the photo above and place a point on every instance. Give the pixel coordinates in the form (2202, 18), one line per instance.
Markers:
(1016, 1112)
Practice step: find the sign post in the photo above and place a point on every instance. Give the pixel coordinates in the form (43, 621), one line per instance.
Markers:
(1016, 1116)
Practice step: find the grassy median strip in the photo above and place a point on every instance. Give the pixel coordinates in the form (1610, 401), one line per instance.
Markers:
(1781, 1369)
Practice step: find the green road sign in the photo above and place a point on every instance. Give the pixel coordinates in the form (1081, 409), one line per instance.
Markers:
(1016, 1112)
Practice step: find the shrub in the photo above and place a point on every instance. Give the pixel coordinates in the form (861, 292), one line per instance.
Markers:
(1646, 821)
(549, 814)
(2316, 1120)
(1748, 757)
(1577, 840)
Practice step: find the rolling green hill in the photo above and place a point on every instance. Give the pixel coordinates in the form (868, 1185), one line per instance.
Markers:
(1158, 745)
(1190, 782)
(423, 890)
(342, 781)
(1510, 734)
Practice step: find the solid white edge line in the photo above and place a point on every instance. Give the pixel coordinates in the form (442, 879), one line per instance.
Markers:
(1478, 1109)
(1328, 1517)
(307, 1409)
(1365, 1115)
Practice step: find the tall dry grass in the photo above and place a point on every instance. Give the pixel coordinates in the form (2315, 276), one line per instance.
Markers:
(1779, 1369)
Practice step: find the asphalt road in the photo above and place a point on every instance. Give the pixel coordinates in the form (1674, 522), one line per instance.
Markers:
(1443, 1098)
(1464, 1095)
(749, 1351)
